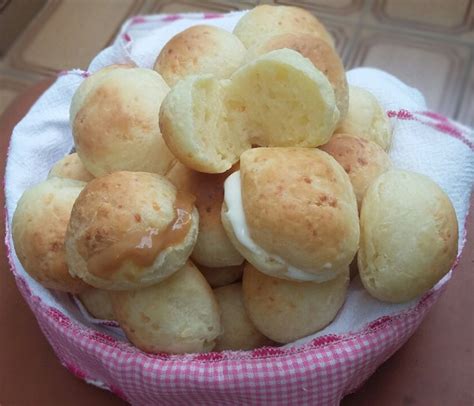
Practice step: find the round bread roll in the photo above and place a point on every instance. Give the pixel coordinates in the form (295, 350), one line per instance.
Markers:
(363, 160)
(200, 49)
(114, 122)
(71, 167)
(217, 277)
(409, 236)
(285, 311)
(212, 248)
(239, 332)
(129, 230)
(177, 315)
(194, 126)
(279, 99)
(89, 84)
(366, 118)
(266, 20)
(39, 228)
(292, 213)
(98, 303)
(323, 56)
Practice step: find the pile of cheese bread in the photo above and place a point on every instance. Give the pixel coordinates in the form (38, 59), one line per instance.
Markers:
(222, 200)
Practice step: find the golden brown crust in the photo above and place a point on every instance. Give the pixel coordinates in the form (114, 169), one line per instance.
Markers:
(112, 207)
(39, 227)
(201, 49)
(409, 236)
(285, 310)
(319, 52)
(363, 160)
(212, 248)
(178, 315)
(267, 20)
(299, 204)
(115, 124)
(366, 118)
(239, 331)
(71, 167)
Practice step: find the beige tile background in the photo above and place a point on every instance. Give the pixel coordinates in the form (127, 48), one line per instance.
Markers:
(427, 43)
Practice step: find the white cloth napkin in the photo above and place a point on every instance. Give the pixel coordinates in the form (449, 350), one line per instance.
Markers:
(422, 142)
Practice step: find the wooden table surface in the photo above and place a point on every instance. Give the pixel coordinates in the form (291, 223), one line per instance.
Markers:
(435, 367)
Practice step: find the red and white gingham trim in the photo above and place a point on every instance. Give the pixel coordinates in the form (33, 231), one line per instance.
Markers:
(319, 373)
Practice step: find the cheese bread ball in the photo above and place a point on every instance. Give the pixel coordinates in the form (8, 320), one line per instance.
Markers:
(39, 228)
(292, 213)
(366, 118)
(92, 80)
(98, 303)
(213, 248)
(363, 160)
(323, 56)
(265, 20)
(279, 99)
(129, 230)
(71, 167)
(177, 315)
(200, 49)
(285, 311)
(114, 121)
(239, 333)
(409, 236)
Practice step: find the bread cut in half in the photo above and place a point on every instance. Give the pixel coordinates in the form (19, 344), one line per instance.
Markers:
(284, 310)
(292, 213)
(201, 49)
(213, 248)
(130, 229)
(239, 333)
(409, 236)
(279, 99)
(39, 229)
(265, 20)
(178, 315)
(322, 55)
(114, 121)
(194, 126)
(366, 118)
(363, 160)
(71, 167)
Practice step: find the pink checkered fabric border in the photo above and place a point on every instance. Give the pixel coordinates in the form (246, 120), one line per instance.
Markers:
(319, 373)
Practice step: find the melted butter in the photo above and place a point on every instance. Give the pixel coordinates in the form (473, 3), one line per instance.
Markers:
(144, 247)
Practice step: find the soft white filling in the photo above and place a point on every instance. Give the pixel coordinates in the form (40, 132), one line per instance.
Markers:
(236, 216)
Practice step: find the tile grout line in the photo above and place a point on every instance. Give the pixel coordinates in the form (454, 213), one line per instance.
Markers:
(358, 28)
(464, 89)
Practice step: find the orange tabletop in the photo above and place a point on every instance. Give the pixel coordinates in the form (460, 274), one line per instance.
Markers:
(435, 367)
